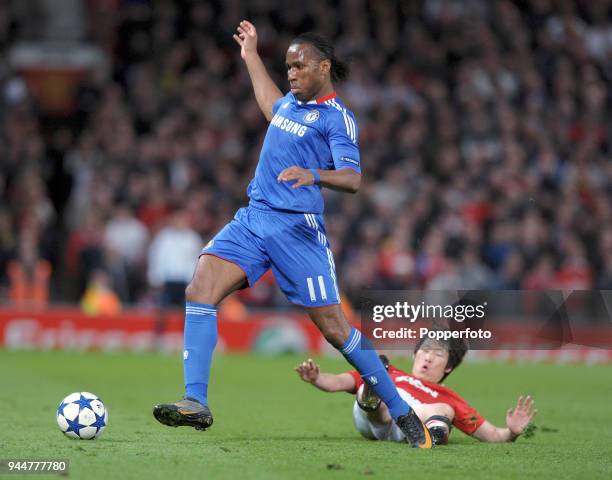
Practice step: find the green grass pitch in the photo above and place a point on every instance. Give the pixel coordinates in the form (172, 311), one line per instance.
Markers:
(269, 424)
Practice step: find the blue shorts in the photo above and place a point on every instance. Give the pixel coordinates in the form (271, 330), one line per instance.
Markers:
(294, 245)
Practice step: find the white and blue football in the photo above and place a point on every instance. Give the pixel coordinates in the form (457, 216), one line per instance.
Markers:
(82, 415)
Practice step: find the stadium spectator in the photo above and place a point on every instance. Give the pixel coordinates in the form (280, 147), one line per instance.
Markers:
(8, 248)
(29, 274)
(171, 259)
(99, 297)
(126, 239)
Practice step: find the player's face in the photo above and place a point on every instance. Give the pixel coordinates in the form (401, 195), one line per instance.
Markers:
(305, 71)
(430, 362)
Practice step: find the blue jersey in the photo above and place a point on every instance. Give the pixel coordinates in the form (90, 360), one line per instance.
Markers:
(319, 134)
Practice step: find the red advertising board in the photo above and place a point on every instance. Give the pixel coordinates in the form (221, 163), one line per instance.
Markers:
(266, 332)
(64, 328)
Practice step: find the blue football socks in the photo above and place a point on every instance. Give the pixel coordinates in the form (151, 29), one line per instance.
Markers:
(200, 339)
(360, 353)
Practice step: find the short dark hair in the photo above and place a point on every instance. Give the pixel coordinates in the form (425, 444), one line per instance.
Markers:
(456, 347)
(339, 69)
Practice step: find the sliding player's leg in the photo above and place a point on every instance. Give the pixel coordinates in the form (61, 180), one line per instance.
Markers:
(438, 418)
(378, 424)
(368, 427)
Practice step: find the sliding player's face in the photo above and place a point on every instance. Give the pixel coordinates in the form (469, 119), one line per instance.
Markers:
(430, 362)
(305, 71)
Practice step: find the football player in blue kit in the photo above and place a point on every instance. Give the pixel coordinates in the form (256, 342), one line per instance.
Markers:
(311, 143)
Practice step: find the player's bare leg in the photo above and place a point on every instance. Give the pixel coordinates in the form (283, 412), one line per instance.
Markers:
(332, 324)
(337, 331)
(213, 280)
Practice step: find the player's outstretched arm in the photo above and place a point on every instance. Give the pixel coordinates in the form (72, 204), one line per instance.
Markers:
(310, 372)
(517, 419)
(266, 91)
(344, 180)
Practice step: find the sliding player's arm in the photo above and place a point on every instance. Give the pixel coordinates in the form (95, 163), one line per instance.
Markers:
(266, 91)
(517, 419)
(310, 372)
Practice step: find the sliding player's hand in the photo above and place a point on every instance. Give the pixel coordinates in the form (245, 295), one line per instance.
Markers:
(246, 38)
(518, 418)
(302, 177)
(308, 371)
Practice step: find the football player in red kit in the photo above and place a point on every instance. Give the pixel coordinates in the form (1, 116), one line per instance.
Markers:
(437, 406)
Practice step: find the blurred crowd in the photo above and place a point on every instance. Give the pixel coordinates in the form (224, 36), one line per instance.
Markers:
(485, 130)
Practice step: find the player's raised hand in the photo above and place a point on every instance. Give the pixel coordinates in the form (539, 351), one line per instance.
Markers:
(246, 38)
(518, 418)
(302, 177)
(308, 371)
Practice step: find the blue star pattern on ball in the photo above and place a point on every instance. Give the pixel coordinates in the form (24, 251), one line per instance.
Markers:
(84, 402)
(99, 423)
(60, 409)
(74, 425)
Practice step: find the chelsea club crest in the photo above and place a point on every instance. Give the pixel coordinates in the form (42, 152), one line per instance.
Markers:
(311, 116)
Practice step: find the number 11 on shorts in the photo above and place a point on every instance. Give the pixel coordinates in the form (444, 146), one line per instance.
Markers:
(311, 288)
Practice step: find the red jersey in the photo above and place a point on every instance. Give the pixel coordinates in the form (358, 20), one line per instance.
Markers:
(467, 419)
